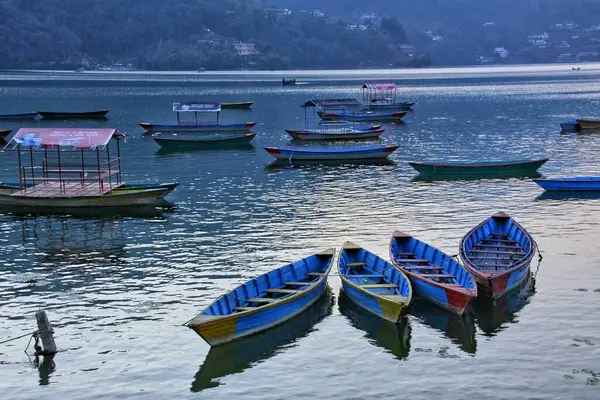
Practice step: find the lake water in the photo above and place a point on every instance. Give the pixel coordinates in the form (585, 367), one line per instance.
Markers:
(119, 288)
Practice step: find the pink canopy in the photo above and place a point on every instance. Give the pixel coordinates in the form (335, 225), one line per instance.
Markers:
(81, 138)
(379, 86)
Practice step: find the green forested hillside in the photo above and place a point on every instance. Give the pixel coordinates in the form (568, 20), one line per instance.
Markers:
(187, 34)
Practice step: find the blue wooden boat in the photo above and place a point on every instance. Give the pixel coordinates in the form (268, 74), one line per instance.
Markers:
(204, 143)
(265, 301)
(435, 276)
(373, 283)
(575, 184)
(200, 127)
(479, 168)
(335, 134)
(498, 252)
(347, 153)
(8, 117)
(402, 106)
(96, 114)
(345, 115)
(571, 126)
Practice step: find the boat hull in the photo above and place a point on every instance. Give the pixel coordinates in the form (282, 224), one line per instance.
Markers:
(570, 127)
(173, 143)
(403, 106)
(124, 196)
(360, 116)
(242, 105)
(198, 127)
(588, 124)
(581, 184)
(99, 114)
(335, 134)
(4, 133)
(23, 116)
(500, 168)
(375, 152)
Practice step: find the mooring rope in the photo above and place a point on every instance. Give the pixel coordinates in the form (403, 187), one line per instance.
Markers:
(19, 337)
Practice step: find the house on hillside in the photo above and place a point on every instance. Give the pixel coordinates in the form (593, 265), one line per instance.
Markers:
(277, 12)
(244, 49)
(407, 49)
(501, 52)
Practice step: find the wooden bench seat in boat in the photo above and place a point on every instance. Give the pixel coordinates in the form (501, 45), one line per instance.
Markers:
(297, 283)
(497, 252)
(495, 265)
(492, 258)
(356, 264)
(423, 267)
(437, 276)
(314, 274)
(283, 291)
(244, 308)
(499, 240)
(413, 260)
(380, 286)
(374, 276)
(499, 234)
(498, 246)
(261, 300)
(406, 254)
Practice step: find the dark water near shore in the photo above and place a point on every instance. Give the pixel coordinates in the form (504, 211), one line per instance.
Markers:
(118, 289)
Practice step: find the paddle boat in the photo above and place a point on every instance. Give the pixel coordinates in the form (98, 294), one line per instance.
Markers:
(336, 134)
(22, 116)
(347, 153)
(497, 252)
(588, 123)
(361, 115)
(195, 126)
(62, 168)
(265, 301)
(4, 134)
(240, 105)
(571, 126)
(434, 275)
(98, 114)
(373, 283)
(383, 96)
(204, 143)
(574, 184)
(479, 168)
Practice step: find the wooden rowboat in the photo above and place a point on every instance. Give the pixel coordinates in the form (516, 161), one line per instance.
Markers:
(479, 168)
(434, 275)
(361, 115)
(265, 301)
(4, 134)
(240, 105)
(97, 114)
(30, 116)
(200, 143)
(373, 283)
(498, 252)
(575, 184)
(588, 123)
(571, 126)
(335, 134)
(348, 153)
(201, 127)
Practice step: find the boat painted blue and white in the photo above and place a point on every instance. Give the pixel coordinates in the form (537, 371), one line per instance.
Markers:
(335, 134)
(373, 283)
(573, 184)
(318, 154)
(265, 301)
(434, 275)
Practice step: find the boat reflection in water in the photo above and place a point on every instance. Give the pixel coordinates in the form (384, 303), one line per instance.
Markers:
(494, 316)
(285, 164)
(394, 338)
(474, 177)
(460, 329)
(237, 356)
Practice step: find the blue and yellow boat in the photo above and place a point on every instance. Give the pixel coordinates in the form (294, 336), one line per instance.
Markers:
(373, 283)
(265, 301)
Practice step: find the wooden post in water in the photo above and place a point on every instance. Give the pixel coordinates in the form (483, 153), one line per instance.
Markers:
(45, 333)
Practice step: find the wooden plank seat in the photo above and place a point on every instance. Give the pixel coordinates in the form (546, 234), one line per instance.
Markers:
(499, 240)
(282, 291)
(406, 254)
(498, 246)
(423, 267)
(495, 265)
(379, 286)
(491, 258)
(437, 276)
(356, 264)
(261, 300)
(499, 234)
(497, 252)
(244, 308)
(374, 276)
(314, 274)
(297, 283)
(412, 260)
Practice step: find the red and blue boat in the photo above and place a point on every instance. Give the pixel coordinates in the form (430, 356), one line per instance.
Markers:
(434, 275)
(265, 301)
(498, 252)
(337, 154)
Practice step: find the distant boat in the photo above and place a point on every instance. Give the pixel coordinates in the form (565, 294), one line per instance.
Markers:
(31, 115)
(373, 283)
(498, 252)
(588, 123)
(202, 143)
(191, 127)
(99, 114)
(347, 153)
(237, 105)
(335, 134)
(571, 126)
(4, 133)
(476, 168)
(434, 275)
(265, 301)
(361, 115)
(574, 184)
(201, 69)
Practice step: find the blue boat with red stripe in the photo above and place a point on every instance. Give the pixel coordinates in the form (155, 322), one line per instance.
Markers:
(498, 252)
(346, 153)
(434, 275)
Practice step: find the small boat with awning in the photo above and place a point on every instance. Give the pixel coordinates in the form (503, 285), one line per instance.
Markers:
(373, 283)
(573, 184)
(321, 154)
(434, 275)
(73, 168)
(479, 167)
(174, 142)
(16, 117)
(196, 107)
(64, 115)
(239, 105)
(498, 252)
(265, 301)
(383, 96)
(588, 123)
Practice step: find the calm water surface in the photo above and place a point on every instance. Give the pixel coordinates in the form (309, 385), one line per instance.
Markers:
(119, 288)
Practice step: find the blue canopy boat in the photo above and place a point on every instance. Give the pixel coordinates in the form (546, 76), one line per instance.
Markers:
(30, 116)
(195, 126)
(204, 143)
(575, 184)
(498, 252)
(434, 275)
(347, 153)
(373, 283)
(265, 301)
